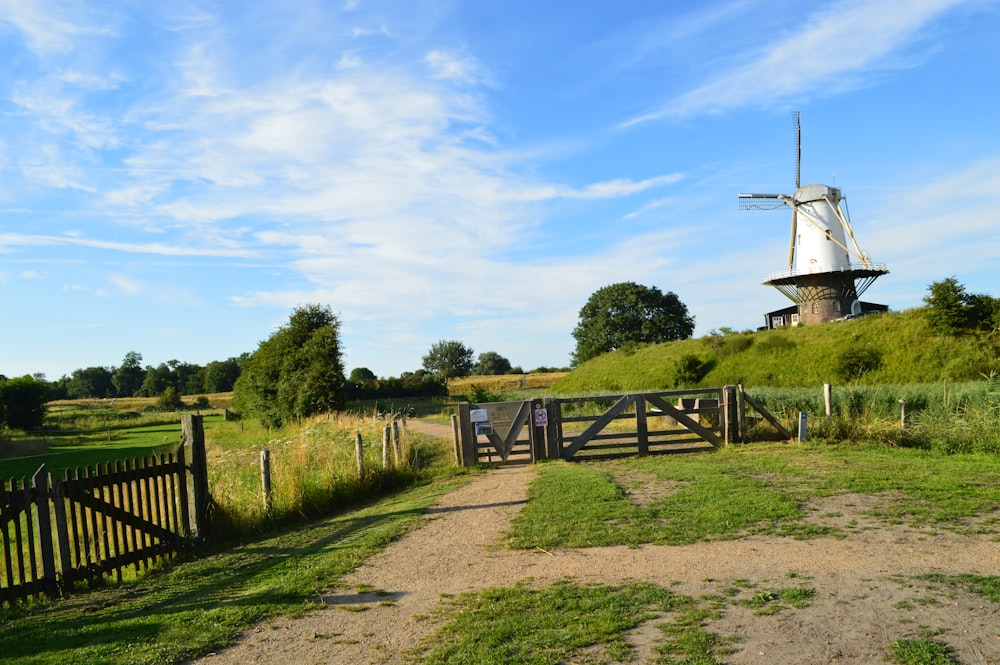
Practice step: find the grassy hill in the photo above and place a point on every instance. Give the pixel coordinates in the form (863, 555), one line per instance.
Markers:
(893, 348)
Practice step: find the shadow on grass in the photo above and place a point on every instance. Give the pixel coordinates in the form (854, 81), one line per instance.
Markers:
(194, 607)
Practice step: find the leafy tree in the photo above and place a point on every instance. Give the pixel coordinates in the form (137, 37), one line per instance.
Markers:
(220, 375)
(90, 382)
(491, 363)
(156, 380)
(22, 402)
(362, 375)
(625, 313)
(169, 399)
(296, 372)
(127, 377)
(951, 308)
(946, 302)
(448, 359)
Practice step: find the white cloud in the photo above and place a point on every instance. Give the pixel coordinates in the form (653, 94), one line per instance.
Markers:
(836, 48)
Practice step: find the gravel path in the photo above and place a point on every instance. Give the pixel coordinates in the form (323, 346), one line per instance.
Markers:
(864, 597)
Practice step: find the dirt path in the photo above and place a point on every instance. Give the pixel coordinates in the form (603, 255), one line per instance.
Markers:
(864, 599)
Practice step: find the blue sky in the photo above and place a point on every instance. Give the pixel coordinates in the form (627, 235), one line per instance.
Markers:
(176, 177)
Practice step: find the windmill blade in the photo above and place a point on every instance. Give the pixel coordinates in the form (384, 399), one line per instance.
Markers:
(761, 201)
(798, 148)
(791, 240)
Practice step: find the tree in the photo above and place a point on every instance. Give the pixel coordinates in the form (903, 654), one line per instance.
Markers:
(127, 377)
(362, 375)
(491, 363)
(295, 373)
(90, 382)
(625, 313)
(22, 402)
(220, 375)
(950, 307)
(448, 359)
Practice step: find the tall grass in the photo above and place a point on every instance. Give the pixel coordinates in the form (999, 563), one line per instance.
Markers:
(313, 469)
(945, 417)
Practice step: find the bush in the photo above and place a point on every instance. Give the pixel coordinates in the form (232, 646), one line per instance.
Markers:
(853, 363)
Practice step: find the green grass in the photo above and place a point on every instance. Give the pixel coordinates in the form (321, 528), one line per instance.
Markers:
(910, 352)
(736, 492)
(201, 605)
(921, 651)
(562, 623)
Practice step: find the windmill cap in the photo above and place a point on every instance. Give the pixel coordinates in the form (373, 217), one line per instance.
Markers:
(808, 193)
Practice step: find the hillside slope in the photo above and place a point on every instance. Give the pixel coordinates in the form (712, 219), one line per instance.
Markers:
(901, 347)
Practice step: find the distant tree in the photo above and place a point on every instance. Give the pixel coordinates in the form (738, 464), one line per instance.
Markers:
(169, 399)
(127, 377)
(626, 313)
(491, 363)
(950, 307)
(448, 359)
(946, 302)
(220, 375)
(296, 372)
(90, 382)
(362, 375)
(156, 380)
(22, 402)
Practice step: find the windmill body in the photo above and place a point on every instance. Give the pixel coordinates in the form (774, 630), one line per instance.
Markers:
(827, 270)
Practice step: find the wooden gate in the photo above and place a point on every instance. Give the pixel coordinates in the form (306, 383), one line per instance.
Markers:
(604, 426)
(607, 426)
(57, 531)
(501, 433)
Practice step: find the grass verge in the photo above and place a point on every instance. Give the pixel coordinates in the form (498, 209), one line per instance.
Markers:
(764, 490)
(198, 606)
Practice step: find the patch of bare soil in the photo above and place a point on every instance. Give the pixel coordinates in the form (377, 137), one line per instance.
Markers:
(866, 594)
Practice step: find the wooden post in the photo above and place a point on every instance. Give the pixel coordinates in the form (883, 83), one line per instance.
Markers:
(395, 443)
(803, 421)
(729, 408)
(468, 435)
(39, 483)
(359, 455)
(193, 442)
(828, 400)
(386, 448)
(553, 432)
(456, 439)
(536, 429)
(265, 478)
(902, 414)
(743, 412)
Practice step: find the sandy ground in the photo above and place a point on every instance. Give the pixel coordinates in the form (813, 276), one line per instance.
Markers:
(865, 595)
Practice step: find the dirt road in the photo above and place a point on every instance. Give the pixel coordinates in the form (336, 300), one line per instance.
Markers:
(865, 594)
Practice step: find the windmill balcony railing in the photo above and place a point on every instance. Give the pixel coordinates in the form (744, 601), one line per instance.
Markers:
(877, 268)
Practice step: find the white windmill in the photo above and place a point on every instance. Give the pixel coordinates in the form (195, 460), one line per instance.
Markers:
(827, 270)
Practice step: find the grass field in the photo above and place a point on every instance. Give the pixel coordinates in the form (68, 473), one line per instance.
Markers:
(198, 606)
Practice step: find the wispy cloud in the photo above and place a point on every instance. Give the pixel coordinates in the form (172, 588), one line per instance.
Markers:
(836, 48)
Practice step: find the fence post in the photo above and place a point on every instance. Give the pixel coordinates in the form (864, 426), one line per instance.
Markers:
(40, 487)
(265, 478)
(193, 440)
(536, 432)
(902, 414)
(468, 431)
(359, 454)
(395, 443)
(456, 438)
(554, 429)
(729, 406)
(62, 529)
(803, 421)
(828, 400)
(386, 448)
(743, 412)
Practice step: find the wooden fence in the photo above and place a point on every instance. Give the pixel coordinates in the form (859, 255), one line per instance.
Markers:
(57, 531)
(605, 426)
